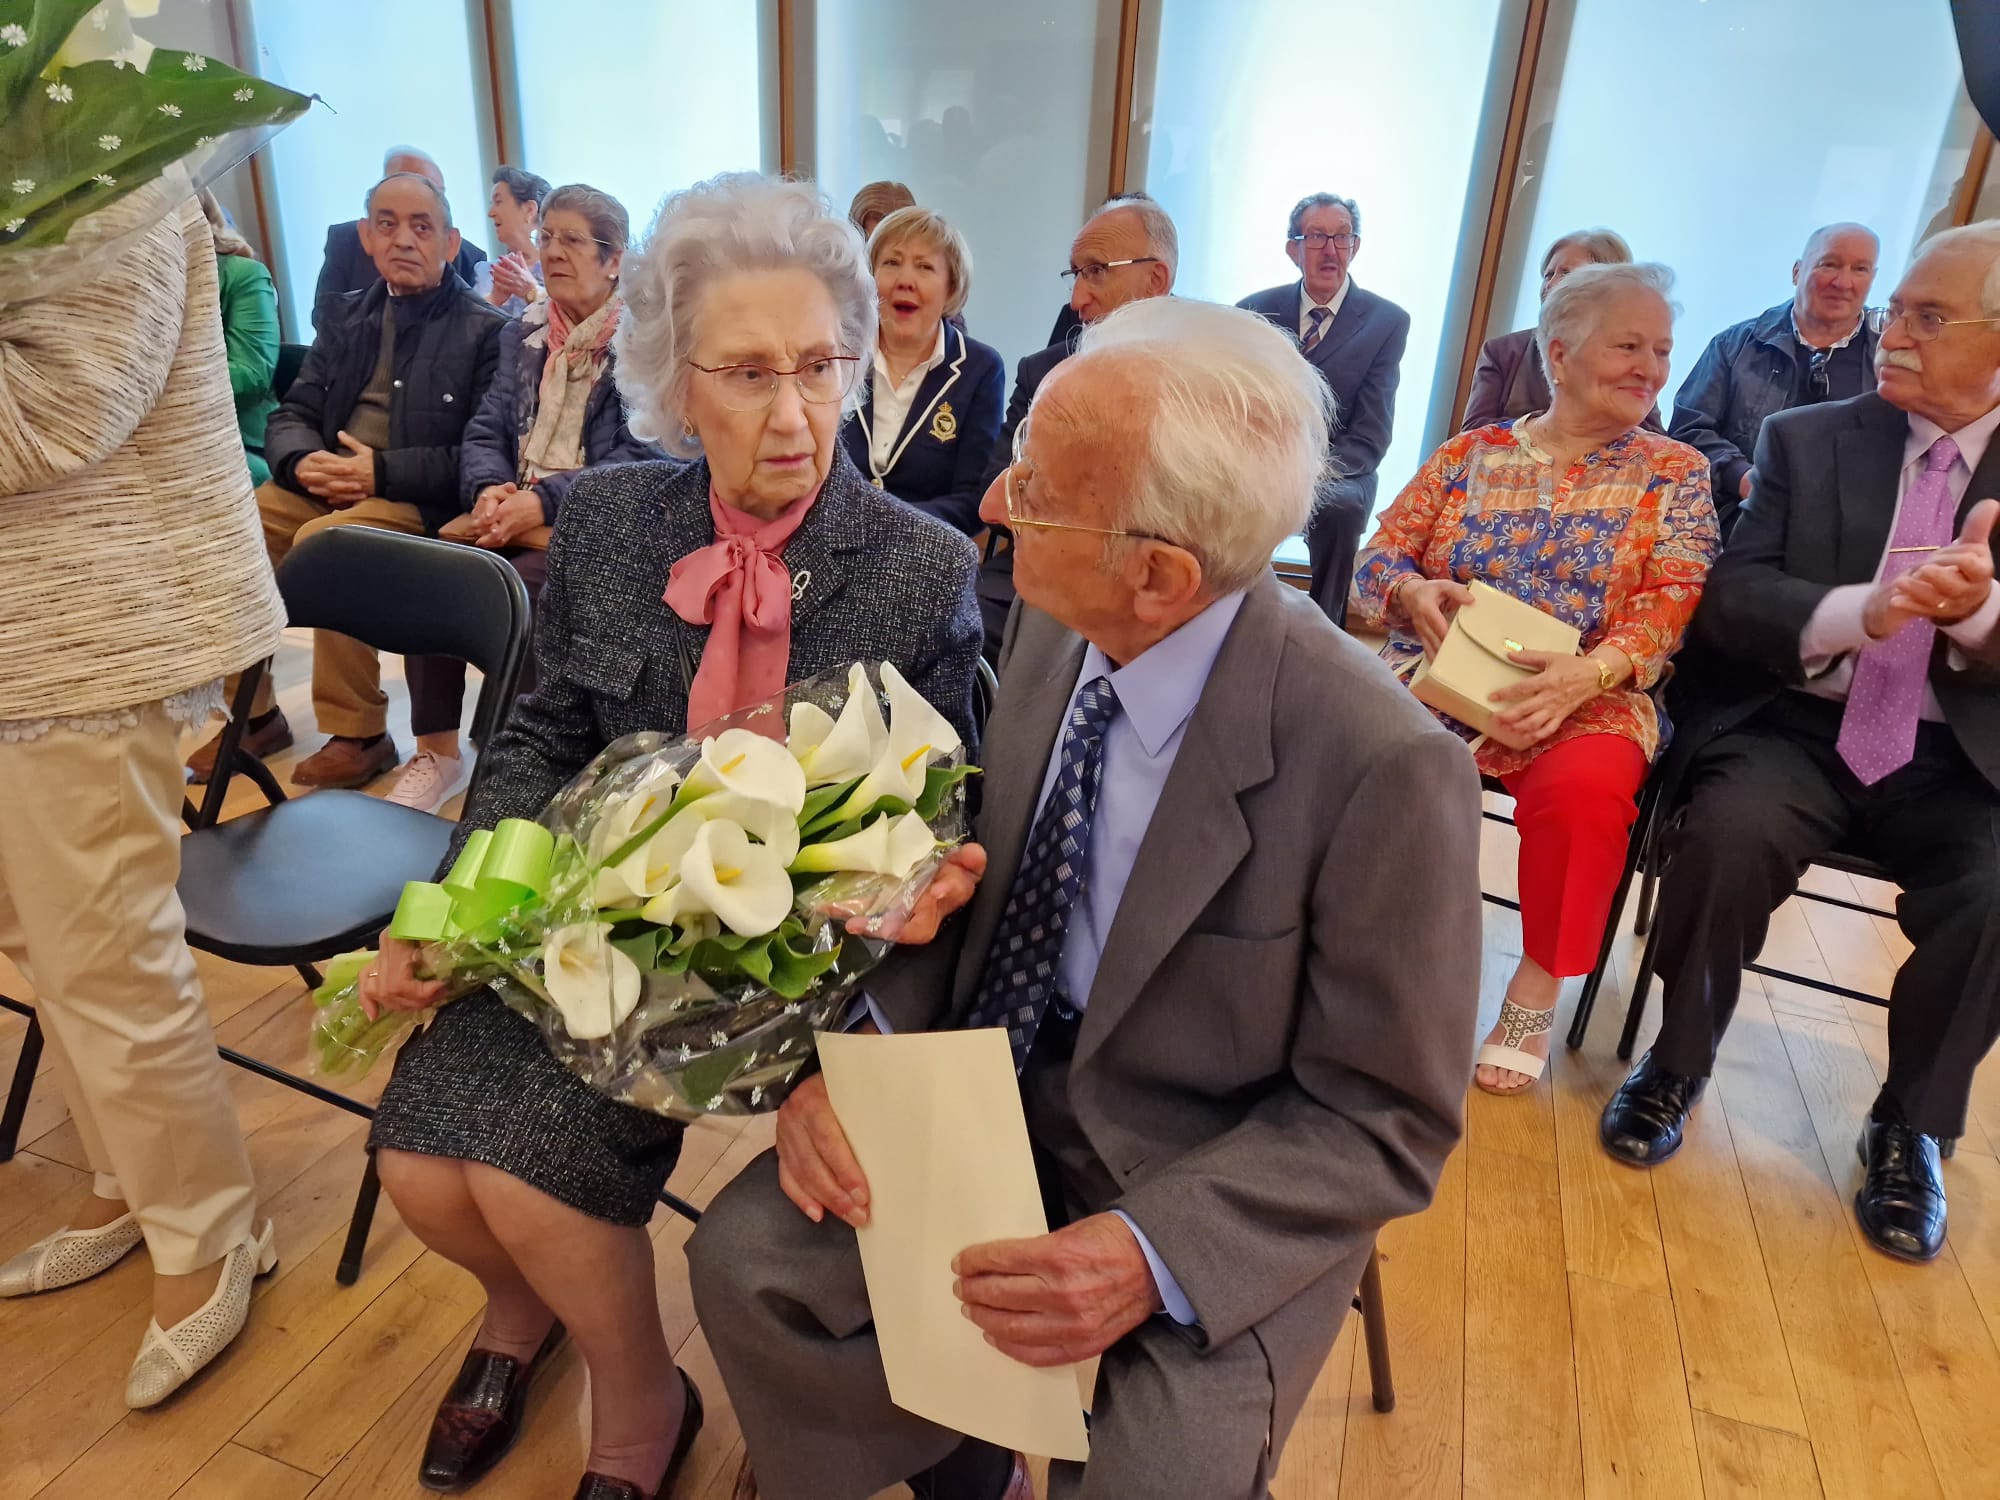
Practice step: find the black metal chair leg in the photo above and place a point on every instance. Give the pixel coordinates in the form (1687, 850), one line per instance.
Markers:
(349, 1270)
(1375, 1331)
(1641, 983)
(23, 1085)
(681, 1206)
(1649, 890)
(312, 976)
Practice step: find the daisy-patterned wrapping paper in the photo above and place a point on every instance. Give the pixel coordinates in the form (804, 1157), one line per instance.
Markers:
(675, 921)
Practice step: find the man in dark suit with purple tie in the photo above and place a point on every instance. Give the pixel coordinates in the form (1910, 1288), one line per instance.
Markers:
(1355, 340)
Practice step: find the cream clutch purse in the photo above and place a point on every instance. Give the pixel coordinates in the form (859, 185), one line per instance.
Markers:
(1472, 663)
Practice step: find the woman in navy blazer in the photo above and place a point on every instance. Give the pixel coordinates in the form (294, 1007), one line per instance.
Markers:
(931, 410)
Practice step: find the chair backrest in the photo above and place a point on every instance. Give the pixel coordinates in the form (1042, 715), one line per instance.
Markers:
(290, 358)
(416, 597)
(985, 688)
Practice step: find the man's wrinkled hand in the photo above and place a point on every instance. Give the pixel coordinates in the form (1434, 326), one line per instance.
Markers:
(1061, 1297)
(816, 1166)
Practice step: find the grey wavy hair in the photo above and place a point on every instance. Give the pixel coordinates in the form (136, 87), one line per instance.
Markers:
(1162, 239)
(1571, 311)
(1605, 247)
(1235, 430)
(1312, 201)
(738, 221)
(606, 216)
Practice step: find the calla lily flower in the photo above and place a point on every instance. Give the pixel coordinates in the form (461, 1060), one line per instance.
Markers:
(746, 763)
(654, 866)
(918, 735)
(593, 984)
(651, 797)
(832, 751)
(888, 846)
(742, 883)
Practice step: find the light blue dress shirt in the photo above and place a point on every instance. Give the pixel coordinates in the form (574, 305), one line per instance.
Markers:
(1157, 693)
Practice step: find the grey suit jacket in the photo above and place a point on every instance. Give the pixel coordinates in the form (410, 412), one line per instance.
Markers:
(1819, 514)
(1275, 1052)
(1361, 357)
(874, 581)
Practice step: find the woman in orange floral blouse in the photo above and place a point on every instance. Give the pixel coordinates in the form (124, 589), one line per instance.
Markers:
(1581, 513)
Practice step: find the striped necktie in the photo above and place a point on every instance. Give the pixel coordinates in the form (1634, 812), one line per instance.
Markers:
(1315, 330)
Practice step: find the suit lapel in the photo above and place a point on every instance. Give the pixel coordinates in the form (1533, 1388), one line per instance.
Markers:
(1346, 323)
(931, 391)
(1198, 835)
(1985, 484)
(1870, 462)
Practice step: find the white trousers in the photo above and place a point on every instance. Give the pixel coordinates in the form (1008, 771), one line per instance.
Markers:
(89, 852)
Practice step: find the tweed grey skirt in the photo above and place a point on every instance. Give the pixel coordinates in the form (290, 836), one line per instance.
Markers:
(480, 1085)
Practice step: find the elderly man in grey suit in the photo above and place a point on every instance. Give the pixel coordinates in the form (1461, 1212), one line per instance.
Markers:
(1355, 340)
(1243, 1042)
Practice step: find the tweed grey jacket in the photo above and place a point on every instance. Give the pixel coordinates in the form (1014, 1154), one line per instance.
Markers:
(873, 580)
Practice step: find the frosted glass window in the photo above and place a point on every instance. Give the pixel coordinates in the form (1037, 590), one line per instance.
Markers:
(1785, 115)
(1257, 105)
(987, 113)
(662, 93)
(393, 73)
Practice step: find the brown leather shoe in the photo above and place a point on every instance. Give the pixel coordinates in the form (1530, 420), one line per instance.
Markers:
(342, 762)
(478, 1421)
(595, 1486)
(274, 737)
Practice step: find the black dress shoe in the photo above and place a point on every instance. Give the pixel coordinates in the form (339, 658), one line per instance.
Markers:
(1901, 1204)
(595, 1486)
(478, 1421)
(1642, 1123)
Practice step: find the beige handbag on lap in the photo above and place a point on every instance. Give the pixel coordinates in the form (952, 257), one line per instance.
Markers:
(1472, 663)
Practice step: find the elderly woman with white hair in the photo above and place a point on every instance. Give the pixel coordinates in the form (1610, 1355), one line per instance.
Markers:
(927, 419)
(746, 315)
(1589, 517)
(1509, 380)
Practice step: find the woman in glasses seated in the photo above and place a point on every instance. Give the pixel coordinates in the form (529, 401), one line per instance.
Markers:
(1509, 381)
(930, 403)
(1586, 515)
(746, 315)
(551, 412)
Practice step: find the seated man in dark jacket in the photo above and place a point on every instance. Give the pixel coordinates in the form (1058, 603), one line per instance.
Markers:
(369, 435)
(348, 266)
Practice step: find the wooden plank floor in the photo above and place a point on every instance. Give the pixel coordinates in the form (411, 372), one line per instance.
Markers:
(1561, 1326)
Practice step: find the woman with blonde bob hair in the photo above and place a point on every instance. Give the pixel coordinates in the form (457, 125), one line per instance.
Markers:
(1509, 381)
(746, 315)
(929, 411)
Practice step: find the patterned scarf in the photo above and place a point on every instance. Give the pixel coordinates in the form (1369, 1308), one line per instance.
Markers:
(577, 355)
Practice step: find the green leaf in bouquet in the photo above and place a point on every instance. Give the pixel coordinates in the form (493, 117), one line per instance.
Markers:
(706, 1078)
(795, 968)
(29, 41)
(82, 140)
(644, 949)
(821, 801)
(938, 782)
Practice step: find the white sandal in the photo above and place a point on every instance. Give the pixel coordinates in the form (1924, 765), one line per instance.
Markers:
(69, 1256)
(169, 1358)
(1517, 1024)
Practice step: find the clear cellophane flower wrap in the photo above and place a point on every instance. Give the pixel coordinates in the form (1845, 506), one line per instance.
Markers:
(675, 922)
(102, 135)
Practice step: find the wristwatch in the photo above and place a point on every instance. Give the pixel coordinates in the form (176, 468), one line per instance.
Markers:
(1607, 675)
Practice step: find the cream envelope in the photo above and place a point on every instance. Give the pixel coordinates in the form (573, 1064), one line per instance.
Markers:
(935, 1121)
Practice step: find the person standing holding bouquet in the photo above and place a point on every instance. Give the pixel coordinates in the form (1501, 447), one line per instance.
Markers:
(135, 578)
(673, 595)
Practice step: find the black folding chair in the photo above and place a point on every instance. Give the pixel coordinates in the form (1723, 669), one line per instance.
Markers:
(985, 689)
(290, 358)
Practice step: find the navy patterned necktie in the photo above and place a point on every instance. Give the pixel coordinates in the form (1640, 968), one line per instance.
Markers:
(1316, 322)
(1022, 965)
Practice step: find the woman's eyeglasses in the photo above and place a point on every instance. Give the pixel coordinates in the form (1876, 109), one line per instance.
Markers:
(751, 387)
(567, 239)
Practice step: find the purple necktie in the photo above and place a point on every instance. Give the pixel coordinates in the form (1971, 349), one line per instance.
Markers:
(1878, 732)
(1315, 330)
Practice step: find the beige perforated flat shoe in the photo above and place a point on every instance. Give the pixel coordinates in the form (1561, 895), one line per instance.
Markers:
(69, 1256)
(169, 1358)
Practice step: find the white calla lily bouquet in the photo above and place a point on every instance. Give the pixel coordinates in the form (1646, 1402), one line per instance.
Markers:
(675, 922)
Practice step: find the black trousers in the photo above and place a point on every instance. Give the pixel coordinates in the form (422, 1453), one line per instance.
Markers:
(437, 683)
(1768, 797)
(1333, 536)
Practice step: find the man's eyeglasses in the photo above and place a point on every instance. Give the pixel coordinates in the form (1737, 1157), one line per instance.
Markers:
(1924, 327)
(1094, 273)
(1015, 520)
(567, 239)
(1316, 239)
(1816, 375)
(750, 387)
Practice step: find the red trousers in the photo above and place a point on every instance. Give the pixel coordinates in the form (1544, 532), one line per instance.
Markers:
(1574, 806)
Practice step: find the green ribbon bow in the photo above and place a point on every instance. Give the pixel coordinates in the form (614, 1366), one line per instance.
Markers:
(495, 872)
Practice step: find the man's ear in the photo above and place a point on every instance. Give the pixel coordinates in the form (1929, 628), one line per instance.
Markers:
(1169, 579)
(453, 242)
(367, 232)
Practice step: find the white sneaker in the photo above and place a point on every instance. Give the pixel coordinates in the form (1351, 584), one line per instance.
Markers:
(69, 1256)
(169, 1358)
(428, 781)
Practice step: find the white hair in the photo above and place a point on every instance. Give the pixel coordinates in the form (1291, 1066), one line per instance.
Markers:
(1986, 235)
(739, 221)
(1571, 311)
(1234, 437)
(410, 153)
(1162, 239)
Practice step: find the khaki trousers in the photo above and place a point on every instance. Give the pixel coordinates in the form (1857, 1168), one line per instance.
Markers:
(89, 852)
(347, 676)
